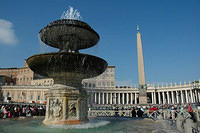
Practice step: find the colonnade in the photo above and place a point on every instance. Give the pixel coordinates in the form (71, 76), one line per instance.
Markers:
(113, 98)
(181, 96)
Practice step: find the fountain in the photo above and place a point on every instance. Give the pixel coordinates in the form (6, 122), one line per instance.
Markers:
(67, 100)
(66, 107)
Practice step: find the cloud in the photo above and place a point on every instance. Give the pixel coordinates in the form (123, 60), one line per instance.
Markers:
(7, 33)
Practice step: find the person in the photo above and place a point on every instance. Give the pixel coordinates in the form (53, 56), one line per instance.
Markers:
(9, 115)
(191, 112)
(182, 111)
(23, 111)
(40, 110)
(28, 112)
(33, 111)
(19, 111)
(5, 113)
(139, 112)
(133, 112)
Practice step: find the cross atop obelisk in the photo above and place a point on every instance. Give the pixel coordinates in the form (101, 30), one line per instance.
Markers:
(142, 84)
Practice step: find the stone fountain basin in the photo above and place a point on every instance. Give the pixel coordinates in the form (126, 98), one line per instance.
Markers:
(73, 33)
(67, 67)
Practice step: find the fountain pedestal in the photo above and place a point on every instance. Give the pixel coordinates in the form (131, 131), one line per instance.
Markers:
(142, 95)
(143, 100)
(66, 105)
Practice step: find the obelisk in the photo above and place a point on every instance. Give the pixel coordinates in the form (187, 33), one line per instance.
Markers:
(142, 84)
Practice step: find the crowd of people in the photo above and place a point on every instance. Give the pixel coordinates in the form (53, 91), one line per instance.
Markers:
(151, 111)
(155, 111)
(17, 110)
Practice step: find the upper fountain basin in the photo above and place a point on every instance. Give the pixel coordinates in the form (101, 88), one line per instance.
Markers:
(69, 34)
(67, 67)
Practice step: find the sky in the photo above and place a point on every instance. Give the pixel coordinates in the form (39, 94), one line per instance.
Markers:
(170, 31)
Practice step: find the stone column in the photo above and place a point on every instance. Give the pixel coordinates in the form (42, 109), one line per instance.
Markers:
(127, 98)
(163, 93)
(155, 101)
(115, 98)
(111, 98)
(172, 94)
(135, 99)
(103, 102)
(119, 98)
(99, 98)
(159, 98)
(168, 101)
(131, 98)
(122, 98)
(106, 98)
(152, 101)
(191, 96)
(186, 96)
(182, 97)
(95, 97)
(196, 96)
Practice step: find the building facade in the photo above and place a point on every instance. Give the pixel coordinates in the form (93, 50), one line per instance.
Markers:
(16, 76)
(102, 90)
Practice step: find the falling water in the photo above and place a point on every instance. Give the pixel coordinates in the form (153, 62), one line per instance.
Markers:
(45, 48)
(71, 14)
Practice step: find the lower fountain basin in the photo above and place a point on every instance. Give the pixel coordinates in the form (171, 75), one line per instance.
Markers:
(93, 126)
(67, 68)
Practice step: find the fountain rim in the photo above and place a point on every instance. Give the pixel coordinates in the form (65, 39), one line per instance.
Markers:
(54, 53)
(33, 58)
(86, 26)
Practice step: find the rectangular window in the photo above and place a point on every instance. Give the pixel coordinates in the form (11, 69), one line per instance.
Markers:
(94, 85)
(112, 83)
(103, 83)
(99, 83)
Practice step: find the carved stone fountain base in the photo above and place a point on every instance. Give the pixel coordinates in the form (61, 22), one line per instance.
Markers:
(66, 105)
(143, 100)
